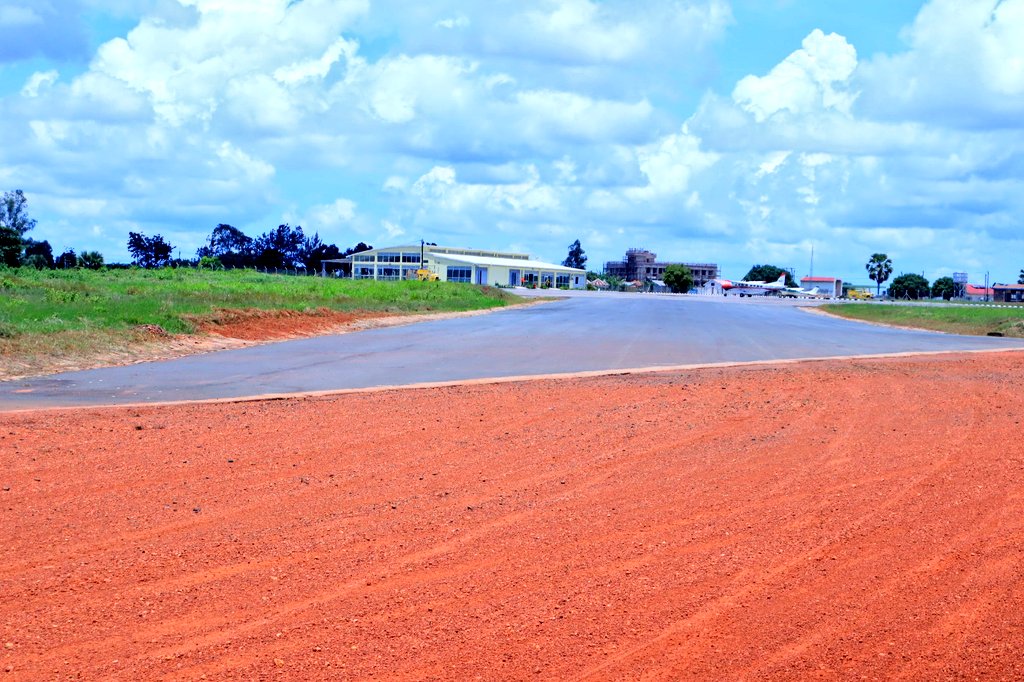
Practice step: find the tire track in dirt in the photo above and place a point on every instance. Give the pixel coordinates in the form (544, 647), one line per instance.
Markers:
(476, 531)
(672, 654)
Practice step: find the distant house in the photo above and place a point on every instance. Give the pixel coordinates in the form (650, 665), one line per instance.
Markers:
(1008, 293)
(831, 286)
(598, 284)
(659, 287)
(973, 292)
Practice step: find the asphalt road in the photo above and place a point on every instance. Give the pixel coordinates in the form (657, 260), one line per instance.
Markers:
(584, 332)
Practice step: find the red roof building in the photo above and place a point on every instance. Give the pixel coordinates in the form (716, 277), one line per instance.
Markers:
(975, 293)
(831, 286)
(1008, 293)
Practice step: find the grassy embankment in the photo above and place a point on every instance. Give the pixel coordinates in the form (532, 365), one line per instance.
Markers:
(81, 312)
(952, 319)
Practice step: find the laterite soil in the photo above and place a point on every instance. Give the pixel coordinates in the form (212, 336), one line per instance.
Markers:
(853, 519)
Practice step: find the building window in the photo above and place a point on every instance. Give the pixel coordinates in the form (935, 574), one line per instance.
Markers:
(389, 257)
(362, 272)
(388, 273)
(410, 258)
(562, 281)
(546, 278)
(460, 274)
(360, 258)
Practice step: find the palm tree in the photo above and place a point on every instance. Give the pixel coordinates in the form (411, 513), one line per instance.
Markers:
(879, 267)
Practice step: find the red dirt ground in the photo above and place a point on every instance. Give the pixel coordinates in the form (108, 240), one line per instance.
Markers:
(854, 519)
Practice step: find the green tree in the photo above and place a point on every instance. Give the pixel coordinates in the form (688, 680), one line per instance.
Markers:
(230, 245)
(768, 273)
(943, 287)
(879, 267)
(280, 247)
(909, 286)
(576, 258)
(68, 259)
(14, 223)
(149, 252)
(39, 253)
(91, 260)
(1020, 277)
(679, 278)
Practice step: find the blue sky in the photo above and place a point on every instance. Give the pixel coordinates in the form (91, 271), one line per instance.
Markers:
(737, 132)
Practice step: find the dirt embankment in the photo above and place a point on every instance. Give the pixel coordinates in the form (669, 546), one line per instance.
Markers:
(858, 519)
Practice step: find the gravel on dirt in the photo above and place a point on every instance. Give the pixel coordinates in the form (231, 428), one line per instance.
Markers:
(840, 519)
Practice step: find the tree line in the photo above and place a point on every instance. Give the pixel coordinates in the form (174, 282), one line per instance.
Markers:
(284, 247)
(18, 250)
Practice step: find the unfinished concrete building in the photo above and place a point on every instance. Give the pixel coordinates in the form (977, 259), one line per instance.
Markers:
(643, 265)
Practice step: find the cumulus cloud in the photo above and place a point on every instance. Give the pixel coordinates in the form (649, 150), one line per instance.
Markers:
(805, 82)
(964, 67)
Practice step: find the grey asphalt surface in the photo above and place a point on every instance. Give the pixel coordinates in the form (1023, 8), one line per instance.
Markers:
(585, 331)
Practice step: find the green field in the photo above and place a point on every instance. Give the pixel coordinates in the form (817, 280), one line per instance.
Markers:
(953, 319)
(47, 312)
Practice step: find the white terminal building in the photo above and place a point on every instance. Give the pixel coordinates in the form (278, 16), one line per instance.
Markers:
(453, 264)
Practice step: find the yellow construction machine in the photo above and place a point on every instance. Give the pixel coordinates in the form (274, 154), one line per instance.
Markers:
(425, 275)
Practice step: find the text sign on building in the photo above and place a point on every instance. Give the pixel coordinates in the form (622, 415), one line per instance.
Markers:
(959, 278)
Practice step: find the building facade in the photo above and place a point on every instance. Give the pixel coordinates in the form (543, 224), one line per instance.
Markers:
(1008, 293)
(829, 286)
(643, 265)
(455, 264)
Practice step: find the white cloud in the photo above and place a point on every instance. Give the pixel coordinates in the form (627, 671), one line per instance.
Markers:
(331, 216)
(440, 189)
(964, 66)
(669, 165)
(39, 79)
(317, 69)
(810, 79)
(392, 230)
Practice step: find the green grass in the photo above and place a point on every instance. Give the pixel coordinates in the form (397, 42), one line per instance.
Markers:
(953, 319)
(52, 311)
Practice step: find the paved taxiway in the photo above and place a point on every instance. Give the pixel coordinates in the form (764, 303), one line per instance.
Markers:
(587, 331)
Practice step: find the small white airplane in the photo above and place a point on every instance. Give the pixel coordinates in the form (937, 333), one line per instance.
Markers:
(797, 292)
(753, 288)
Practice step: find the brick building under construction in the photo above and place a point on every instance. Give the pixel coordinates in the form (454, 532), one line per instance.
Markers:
(643, 265)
